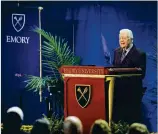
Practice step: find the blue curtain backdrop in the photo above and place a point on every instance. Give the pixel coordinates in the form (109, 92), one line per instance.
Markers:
(93, 28)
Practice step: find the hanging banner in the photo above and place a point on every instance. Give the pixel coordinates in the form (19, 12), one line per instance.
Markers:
(20, 55)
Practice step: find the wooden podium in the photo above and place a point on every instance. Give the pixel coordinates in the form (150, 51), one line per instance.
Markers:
(86, 94)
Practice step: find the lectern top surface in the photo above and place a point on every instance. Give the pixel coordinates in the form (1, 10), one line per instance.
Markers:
(98, 70)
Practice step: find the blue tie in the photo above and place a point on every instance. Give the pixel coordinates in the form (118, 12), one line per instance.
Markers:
(123, 55)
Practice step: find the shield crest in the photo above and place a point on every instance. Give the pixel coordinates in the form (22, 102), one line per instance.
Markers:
(83, 94)
(18, 21)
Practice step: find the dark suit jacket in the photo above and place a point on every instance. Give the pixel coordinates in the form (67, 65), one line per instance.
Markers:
(134, 58)
(128, 90)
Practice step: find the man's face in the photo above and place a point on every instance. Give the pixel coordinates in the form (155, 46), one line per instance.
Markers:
(124, 40)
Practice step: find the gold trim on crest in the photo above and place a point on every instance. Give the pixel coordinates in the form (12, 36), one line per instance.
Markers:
(82, 94)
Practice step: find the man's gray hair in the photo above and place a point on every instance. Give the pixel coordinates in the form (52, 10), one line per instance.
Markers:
(128, 31)
(138, 128)
(16, 110)
(76, 121)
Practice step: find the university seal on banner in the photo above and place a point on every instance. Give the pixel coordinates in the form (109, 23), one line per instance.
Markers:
(83, 94)
(18, 21)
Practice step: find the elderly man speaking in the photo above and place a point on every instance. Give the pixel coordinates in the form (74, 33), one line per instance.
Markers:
(127, 55)
(128, 91)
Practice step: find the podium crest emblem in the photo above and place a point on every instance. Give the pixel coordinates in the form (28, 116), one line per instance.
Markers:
(83, 94)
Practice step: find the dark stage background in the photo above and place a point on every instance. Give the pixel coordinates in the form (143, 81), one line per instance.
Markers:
(91, 29)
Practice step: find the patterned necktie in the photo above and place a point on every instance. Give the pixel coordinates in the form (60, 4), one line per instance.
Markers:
(123, 55)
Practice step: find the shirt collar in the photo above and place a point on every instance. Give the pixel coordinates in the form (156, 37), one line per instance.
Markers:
(128, 49)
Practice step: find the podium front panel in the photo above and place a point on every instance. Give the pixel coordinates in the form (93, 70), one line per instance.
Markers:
(85, 98)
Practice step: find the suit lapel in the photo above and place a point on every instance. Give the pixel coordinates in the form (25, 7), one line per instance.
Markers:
(119, 55)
